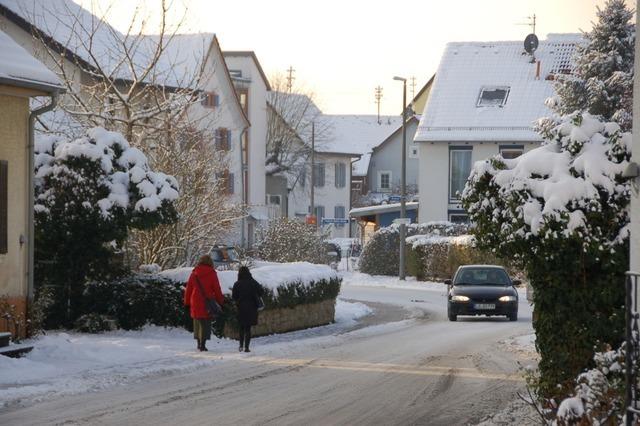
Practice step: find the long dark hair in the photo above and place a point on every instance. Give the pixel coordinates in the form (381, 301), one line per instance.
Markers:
(244, 273)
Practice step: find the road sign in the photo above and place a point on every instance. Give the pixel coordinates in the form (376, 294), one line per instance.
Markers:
(394, 198)
(403, 221)
(327, 221)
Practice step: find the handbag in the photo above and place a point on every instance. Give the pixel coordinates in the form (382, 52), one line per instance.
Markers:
(259, 303)
(212, 306)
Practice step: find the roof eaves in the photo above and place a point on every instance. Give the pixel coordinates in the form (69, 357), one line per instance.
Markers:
(252, 55)
(32, 84)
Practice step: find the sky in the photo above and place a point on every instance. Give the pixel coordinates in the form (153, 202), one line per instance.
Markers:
(341, 50)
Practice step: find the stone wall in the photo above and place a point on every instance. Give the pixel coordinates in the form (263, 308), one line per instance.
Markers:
(289, 319)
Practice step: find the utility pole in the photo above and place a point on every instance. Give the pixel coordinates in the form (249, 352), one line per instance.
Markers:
(313, 171)
(378, 99)
(413, 87)
(290, 78)
(403, 177)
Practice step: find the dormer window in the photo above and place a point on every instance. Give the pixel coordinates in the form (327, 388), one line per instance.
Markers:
(492, 96)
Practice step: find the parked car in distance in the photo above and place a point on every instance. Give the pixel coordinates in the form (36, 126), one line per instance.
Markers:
(225, 258)
(482, 290)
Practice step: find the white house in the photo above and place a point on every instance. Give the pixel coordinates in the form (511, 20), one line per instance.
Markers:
(221, 113)
(252, 86)
(484, 101)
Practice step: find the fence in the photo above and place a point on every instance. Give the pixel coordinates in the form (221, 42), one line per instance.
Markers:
(632, 349)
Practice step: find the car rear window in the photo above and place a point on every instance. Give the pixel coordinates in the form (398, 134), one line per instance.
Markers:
(481, 276)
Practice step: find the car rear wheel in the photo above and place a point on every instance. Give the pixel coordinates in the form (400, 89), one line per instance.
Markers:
(513, 317)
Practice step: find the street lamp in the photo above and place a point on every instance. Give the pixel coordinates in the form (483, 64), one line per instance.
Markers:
(403, 181)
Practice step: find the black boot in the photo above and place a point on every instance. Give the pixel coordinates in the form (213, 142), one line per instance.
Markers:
(203, 348)
(199, 345)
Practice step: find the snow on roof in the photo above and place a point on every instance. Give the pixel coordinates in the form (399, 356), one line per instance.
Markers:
(466, 68)
(383, 208)
(17, 65)
(357, 134)
(81, 32)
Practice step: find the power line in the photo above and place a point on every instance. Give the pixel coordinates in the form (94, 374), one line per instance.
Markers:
(378, 97)
(290, 78)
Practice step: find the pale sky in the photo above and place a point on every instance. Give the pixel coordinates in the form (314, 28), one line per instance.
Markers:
(342, 49)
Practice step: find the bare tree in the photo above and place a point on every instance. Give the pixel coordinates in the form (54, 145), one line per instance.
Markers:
(148, 87)
(289, 127)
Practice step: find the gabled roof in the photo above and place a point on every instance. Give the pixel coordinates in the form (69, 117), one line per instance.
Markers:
(78, 35)
(357, 134)
(466, 68)
(19, 68)
(413, 119)
(252, 55)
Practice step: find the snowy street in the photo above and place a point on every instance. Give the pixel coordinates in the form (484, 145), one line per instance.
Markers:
(403, 364)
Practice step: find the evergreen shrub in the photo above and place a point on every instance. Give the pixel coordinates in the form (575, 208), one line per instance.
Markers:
(381, 254)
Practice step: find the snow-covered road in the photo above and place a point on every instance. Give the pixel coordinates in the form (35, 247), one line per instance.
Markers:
(417, 369)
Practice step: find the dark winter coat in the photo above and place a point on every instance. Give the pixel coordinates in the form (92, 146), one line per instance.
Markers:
(245, 293)
(211, 286)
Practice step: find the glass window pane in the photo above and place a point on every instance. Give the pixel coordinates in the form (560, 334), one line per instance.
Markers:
(460, 168)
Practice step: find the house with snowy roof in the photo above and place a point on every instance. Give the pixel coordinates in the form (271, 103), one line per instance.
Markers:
(384, 170)
(22, 77)
(484, 101)
(188, 61)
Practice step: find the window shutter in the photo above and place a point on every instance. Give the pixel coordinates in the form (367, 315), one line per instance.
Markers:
(336, 179)
(230, 184)
(217, 139)
(4, 206)
(216, 100)
(228, 140)
(338, 212)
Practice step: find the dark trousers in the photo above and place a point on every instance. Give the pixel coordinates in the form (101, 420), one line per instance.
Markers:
(245, 335)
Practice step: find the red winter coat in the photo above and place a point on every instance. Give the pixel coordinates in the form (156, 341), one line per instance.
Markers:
(193, 296)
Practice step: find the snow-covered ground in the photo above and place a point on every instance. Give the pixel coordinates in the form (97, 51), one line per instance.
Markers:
(359, 279)
(72, 363)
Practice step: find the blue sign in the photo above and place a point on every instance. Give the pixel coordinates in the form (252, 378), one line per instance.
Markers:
(394, 198)
(327, 221)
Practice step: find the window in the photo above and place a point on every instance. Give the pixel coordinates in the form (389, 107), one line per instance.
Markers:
(243, 94)
(459, 169)
(274, 199)
(413, 151)
(318, 174)
(341, 175)
(511, 151)
(223, 139)
(339, 213)
(227, 184)
(4, 207)
(493, 96)
(210, 100)
(458, 218)
(235, 73)
(384, 181)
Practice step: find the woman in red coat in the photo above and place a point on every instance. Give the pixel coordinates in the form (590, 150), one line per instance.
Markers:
(202, 279)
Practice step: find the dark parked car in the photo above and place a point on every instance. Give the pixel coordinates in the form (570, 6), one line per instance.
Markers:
(482, 290)
(225, 258)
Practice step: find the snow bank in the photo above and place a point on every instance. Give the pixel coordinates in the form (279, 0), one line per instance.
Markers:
(358, 279)
(270, 276)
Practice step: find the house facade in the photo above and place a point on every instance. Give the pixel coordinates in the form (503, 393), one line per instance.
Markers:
(22, 77)
(484, 101)
(220, 114)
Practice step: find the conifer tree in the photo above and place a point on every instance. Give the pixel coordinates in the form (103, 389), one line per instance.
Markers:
(602, 79)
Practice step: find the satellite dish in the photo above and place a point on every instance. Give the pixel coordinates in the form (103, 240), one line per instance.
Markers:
(531, 43)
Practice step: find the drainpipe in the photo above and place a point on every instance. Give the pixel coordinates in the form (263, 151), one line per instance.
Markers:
(31, 193)
(242, 186)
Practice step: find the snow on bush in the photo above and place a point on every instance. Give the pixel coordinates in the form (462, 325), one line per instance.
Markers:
(89, 193)
(290, 240)
(570, 187)
(561, 211)
(124, 181)
(380, 255)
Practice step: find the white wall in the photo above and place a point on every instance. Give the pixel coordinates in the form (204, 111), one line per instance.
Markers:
(434, 174)
(329, 196)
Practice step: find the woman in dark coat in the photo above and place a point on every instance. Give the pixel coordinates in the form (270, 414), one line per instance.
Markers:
(203, 279)
(246, 292)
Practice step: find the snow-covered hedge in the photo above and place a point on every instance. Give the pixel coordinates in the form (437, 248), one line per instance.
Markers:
(291, 240)
(285, 286)
(89, 193)
(437, 257)
(562, 212)
(380, 255)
